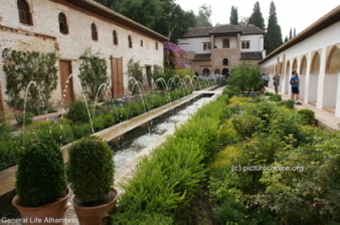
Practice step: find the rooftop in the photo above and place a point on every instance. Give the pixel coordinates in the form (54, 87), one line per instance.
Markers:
(223, 29)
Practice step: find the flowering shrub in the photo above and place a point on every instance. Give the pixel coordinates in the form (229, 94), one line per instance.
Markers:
(173, 56)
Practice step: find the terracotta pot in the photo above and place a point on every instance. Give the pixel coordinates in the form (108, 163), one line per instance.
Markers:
(44, 215)
(97, 215)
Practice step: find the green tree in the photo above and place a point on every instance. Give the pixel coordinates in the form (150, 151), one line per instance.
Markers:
(245, 77)
(174, 21)
(203, 17)
(273, 38)
(146, 12)
(107, 3)
(256, 17)
(234, 16)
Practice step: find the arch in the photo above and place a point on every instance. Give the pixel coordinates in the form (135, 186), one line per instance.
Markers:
(333, 60)
(217, 71)
(294, 65)
(24, 12)
(141, 43)
(287, 68)
(225, 62)
(303, 65)
(156, 45)
(130, 41)
(205, 72)
(115, 37)
(63, 27)
(94, 33)
(315, 65)
(225, 71)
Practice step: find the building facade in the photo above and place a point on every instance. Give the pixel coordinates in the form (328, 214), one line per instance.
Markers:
(215, 50)
(315, 54)
(69, 27)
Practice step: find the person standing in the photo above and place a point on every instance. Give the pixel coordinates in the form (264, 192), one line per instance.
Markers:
(295, 82)
(276, 79)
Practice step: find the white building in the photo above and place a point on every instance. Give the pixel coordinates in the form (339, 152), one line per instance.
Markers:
(315, 55)
(214, 50)
(68, 27)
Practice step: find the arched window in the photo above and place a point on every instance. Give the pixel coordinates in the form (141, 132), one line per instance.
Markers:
(63, 28)
(225, 62)
(24, 12)
(225, 72)
(156, 45)
(94, 32)
(206, 72)
(130, 41)
(141, 43)
(115, 37)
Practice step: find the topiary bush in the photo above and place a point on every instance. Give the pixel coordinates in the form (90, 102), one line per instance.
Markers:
(307, 116)
(91, 170)
(41, 174)
(77, 112)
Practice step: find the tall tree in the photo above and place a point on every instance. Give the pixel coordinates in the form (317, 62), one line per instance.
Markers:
(273, 38)
(203, 17)
(256, 17)
(146, 12)
(234, 16)
(290, 34)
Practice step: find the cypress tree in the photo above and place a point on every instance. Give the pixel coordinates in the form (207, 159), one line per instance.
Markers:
(273, 38)
(256, 17)
(290, 34)
(234, 16)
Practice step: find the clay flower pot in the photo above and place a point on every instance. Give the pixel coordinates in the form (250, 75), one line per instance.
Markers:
(44, 215)
(97, 215)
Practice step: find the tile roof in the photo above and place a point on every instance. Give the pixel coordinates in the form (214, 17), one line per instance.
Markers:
(223, 29)
(202, 57)
(251, 56)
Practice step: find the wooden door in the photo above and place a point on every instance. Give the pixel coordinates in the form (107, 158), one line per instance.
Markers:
(117, 77)
(66, 82)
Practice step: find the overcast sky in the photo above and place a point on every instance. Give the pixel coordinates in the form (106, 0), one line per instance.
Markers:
(290, 13)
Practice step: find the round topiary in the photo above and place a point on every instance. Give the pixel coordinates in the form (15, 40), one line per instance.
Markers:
(91, 170)
(307, 116)
(41, 175)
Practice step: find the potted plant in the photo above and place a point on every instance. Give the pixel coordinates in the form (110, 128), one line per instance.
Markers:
(41, 184)
(91, 171)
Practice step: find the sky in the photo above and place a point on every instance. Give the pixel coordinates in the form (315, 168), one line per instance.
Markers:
(298, 14)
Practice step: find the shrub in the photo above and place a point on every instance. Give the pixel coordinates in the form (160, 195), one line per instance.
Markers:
(41, 175)
(61, 132)
(287, 103)
(275, 97)
(26, 119)
(307, 116)
(77, 112)
(91, 170)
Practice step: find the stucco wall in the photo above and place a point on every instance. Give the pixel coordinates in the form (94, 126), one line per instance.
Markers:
(70, 46)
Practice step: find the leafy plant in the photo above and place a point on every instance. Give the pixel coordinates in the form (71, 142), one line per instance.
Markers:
(307, 116)
(77, 112)
(93, 73)
(22, 67)
(91, 170)
(245, 77)
(135, 71)
(41, 174)
(22, 119)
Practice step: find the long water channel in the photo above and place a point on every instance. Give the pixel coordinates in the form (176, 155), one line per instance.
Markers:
(129, 148)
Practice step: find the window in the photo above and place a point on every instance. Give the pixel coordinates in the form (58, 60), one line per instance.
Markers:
(115, 37)
(141, 43)
(130, 41)
(94, 32)
(62, 23)
(245, 44)
(156, 45)
(24, 12)
(226, 43)
(206, 46)
(225, 62)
